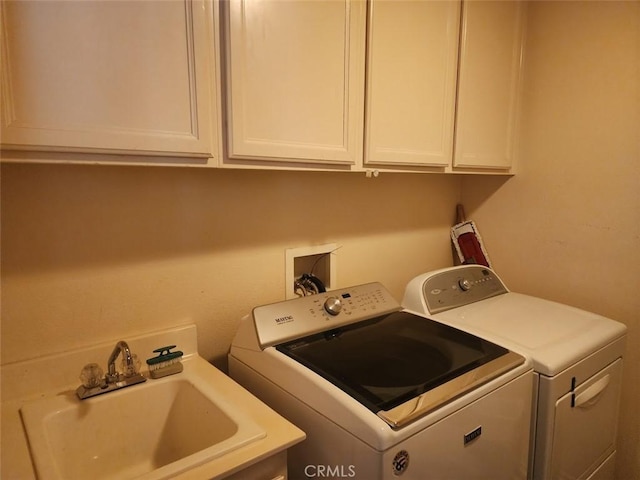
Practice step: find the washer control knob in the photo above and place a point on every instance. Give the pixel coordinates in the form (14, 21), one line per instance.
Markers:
(464, 284)
(333, 305)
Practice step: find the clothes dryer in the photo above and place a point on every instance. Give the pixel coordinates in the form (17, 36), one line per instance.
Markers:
(577, 358)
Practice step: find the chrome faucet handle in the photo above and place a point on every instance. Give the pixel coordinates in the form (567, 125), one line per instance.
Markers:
(131, 367)
(92, 375)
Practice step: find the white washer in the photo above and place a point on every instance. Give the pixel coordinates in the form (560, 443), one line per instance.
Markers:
(577, 357)
(384, 394)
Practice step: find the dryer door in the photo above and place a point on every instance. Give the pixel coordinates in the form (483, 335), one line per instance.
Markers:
(585, 424)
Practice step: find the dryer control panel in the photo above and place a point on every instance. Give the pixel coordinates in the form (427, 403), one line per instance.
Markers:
(280, 322)
(460, 286)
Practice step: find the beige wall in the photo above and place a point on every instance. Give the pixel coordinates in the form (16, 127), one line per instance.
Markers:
(567, 227)
(92, 253)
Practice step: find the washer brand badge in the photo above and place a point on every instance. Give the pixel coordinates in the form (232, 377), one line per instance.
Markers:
(471, 436)
(285, 319)
(400, 462)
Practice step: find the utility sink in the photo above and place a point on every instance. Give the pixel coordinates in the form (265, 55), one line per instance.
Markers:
(153, 430)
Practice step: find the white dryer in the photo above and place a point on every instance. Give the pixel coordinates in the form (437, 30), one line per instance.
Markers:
(577, 358)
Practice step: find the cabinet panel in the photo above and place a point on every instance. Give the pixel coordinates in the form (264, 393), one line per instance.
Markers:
(108, 76)
(411, 75)
(488, 83)
(295, 80)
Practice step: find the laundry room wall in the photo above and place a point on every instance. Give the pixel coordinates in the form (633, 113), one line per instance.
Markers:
(94, 253)
(567, 227)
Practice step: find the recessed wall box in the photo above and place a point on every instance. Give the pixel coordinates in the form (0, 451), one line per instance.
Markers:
(317, 260)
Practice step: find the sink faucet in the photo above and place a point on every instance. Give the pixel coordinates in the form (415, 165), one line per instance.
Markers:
(120, 348)
(92, 382)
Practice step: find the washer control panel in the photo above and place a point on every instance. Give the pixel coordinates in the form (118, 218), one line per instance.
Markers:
(284, 321)
(460, 286)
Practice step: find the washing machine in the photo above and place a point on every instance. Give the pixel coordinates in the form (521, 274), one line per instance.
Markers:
(383, 394)
(577, 358)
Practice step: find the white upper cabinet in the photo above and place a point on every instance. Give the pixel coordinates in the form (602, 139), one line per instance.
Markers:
(488, 83)
(443, 86)
(295, 80)
(411, 80)
(139, 81)
(130, 77)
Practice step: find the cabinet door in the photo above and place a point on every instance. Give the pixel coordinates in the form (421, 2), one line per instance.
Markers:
(295, 80)
(488, 83)
(411, 75)
(108, 76)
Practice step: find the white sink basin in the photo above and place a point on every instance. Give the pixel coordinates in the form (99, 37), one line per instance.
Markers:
(153, 430)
